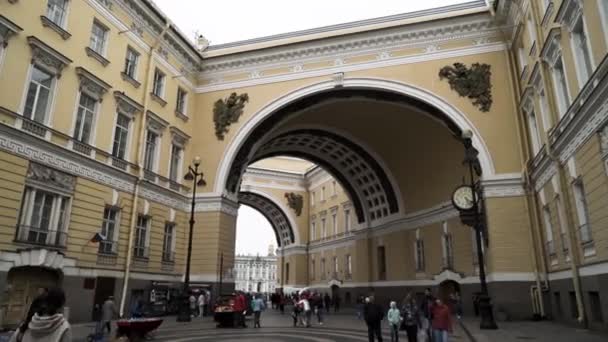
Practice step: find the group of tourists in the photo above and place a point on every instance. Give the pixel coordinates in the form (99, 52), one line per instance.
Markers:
(199, 304)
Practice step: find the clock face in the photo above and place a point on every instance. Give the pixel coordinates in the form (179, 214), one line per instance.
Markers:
(463, 198)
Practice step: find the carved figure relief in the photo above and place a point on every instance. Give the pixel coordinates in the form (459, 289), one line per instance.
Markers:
(473, 82)
(295, 202)
(51, 177)
(227, 111)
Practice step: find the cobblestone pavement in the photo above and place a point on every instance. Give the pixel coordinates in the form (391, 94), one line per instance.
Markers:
(544, 331)
(275, 327)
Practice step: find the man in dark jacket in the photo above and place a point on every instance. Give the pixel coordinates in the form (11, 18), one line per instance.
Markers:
(373, 315)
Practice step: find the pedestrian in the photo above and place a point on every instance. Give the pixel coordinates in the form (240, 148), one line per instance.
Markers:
(307, 311)
(206, 303)
(442, 321)
(257, 306)
(47, 324)
(411, 318)
(317, 304)
(137, 308)
(295, 313)
(373, 315)
(426, 315)
(282, 300)
(327, 302)
(458, 303)
(337, 300)
(359, 306)
(192, 303)
(394, 319)
(108, 312)
(201, 304)
(239, 310)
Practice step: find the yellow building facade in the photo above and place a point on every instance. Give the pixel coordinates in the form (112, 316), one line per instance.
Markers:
(103, 103)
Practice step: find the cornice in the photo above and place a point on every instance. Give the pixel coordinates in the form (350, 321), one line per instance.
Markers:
(276, 175)
(505, 185)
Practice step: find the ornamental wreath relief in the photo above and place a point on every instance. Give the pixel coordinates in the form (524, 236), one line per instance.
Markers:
(473, 82)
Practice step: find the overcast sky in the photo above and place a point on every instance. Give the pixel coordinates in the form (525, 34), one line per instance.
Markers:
(232, 20)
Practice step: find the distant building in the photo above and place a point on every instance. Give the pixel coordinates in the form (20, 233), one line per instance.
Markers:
(256, 273)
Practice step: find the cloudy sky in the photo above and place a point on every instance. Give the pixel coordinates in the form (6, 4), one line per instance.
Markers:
(229, 21)
(234, 20)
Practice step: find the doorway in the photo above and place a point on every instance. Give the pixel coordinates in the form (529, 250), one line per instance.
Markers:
(103, 289)
(447, 290)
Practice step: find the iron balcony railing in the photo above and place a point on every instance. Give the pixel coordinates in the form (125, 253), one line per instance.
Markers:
(107, 247)
(41, 237)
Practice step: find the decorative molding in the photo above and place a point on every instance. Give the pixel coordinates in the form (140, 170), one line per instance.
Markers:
(35, 258)
(474, 83)
(227, 111)
(215, 203)
(569, 12)
(155, 123)
(97, 56)
(158, 99)
(38, 173)
(179, 137)
(91, 84)
(8, 29)
(46, 22)
(527, 99)
(507, 185)
(126, 105)
(46, 57)
(552, 48)
(295, 202)
(106, 3)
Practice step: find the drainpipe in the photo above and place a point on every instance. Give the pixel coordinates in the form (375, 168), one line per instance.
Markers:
(524, 150)
(139, 163)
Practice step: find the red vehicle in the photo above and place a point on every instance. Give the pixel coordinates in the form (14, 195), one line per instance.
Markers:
(223, 311)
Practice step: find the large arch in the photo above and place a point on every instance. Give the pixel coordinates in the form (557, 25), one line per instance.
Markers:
(307, 96)
(276, 213)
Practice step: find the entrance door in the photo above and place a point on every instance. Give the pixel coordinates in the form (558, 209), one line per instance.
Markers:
(447, 290)
(23, 285)
(104, 288)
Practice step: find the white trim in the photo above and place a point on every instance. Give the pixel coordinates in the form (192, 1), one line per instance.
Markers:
(604, 18)
(2, 55)
(427, 96)
(422, 57)
(584, 271)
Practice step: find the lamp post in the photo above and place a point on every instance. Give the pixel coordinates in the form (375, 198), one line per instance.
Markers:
(485, 302)
(197, 180)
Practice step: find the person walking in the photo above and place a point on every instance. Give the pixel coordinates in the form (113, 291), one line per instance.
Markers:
(306, 318)
(201, 304)
(282, 300)
(409, 311)
(442, 321)
(359, 307)
(47, 324)
(296, 313)
(426, 315)
(327, 302)
(373, 315)
(257, 305)
(108, 312)
(317, 304)
(239, 310)
(192, 303)
(337, 300)
(394, 318)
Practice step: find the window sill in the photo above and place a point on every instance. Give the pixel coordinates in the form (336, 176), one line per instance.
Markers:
(130, 79)
(46, 22)
(95, 55)
(181, 116)
(158, 99)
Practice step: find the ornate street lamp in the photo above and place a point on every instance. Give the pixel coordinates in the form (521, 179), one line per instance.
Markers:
(467, 200)
(197, 180)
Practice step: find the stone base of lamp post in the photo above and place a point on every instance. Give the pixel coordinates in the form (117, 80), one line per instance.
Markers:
(486, 312)
(183, 315)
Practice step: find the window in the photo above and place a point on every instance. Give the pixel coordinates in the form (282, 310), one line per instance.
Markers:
(349, 265)
(322, 268)
(347, 220)
(562, 226)
(38, 95)
(531, 29)
(322, 193)
(582, 212)
(181, 101)
(131, 62)
(582, 52)
(121, 136)
(323, 229)
(312, 269)
(150, 156)
(548, 230)
(84, 118)
(334, 191)
(287, 273)
(169, 242)
(446, 244)
(43, 218)
(561, 86)
(604, 16)
(544, 110)
(534, 134)
(595, 304)
(381, 263)
(109, 231)
(140, 248)
(99, 34)
(521, 59)
(573, 306)
(313, 231)
(336, 265)
(56, 10)
(159, 83)
(419, 255)
(176, 161)
(334, 223)
(312, 198)
(558, 303)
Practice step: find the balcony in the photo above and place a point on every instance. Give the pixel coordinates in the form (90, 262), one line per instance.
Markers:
(41, 237)
(107, 253)
(34, 127)
(119, 163)
(150, 176)
(81, 147)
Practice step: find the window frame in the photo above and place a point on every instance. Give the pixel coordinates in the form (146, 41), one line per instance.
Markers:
(139, 228)
(582, 52)
(127, 137)
(181, 103)
(158, 84)
(49, 101)
(151, 158)
(64, 18)
(560, 86)
(534, 132)
(77, 132)
(131, 65)
(104, 39)
(175, 169)
(58, 219)
(106, 221)
(168, 251)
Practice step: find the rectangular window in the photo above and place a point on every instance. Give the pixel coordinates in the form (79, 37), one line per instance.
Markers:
(322, 193)
(56, 10)
(334, 191)
(419, 256)
(121, 135)
(169, 242)
(582, 53)
(531, 29)
(381, 263)
(287, 273)
(544, 110)
(140, 248)
(323, 229)
(349, 265)
(131, 62)
(84, 118)
(38, 95)
(322, 268)
(159, 83)
(521, 59)
(604, 16)
(562, 226)
(99, 35)
(595, 305)
(336, 266)
(347, 220)
(534, 134)
(43, 218)
(548, 230)
(334, 223)
(561, 86)
(448, 253)
(573, 306)
(582, 212)
(109, 231)
(176, 160)
(150, 155)
(313, 231)
(180, 106)
(312, 269)
(558, 304)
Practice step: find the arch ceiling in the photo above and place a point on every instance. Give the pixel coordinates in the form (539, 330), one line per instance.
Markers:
(274, 214)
